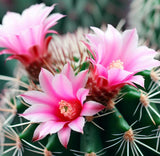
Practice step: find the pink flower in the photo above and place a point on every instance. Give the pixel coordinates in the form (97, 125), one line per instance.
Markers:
(23, 36)
(117, 57)
(62, 104)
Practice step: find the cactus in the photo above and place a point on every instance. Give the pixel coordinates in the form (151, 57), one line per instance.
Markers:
(147, 20)
(98, 95)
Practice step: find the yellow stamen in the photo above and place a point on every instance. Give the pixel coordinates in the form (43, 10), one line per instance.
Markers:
(116, 64)
(67, 109)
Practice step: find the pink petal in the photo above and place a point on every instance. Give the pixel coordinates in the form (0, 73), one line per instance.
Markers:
(6, 51)
(36, 135)
(46, 128)
(11, 43)
(130, 42)
(4, 43)
(81, 94)
(138, 80)
(78, 81)
(33, 36)
(77, 124)
(57, 126)
(91, 108)
(11, 24)
(52, 20)
(46, 81)
(98, 31)
(96, 47)
(40, 113)
(117, 76)
(68, 71)
(63, 87)
(97, 38)
(37, 97)
(101, 51)
(121, 77)
(22, 58)
(111, 46)
(90, 49)
(52, 31)
(64, 135)
(144, 59)
(109, 42)
(97, 43)
(102, 71)
(46, 11)
(38, 12)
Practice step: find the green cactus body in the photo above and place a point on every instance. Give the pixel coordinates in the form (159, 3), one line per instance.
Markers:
(147, 21)
(132, 127)
(114, 124)
(91, 141)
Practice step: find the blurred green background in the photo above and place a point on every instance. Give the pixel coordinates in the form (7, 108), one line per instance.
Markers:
(79, 12)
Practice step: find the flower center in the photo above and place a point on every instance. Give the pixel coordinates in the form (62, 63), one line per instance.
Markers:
(69, 110)
(116, 64)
